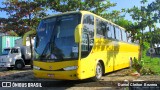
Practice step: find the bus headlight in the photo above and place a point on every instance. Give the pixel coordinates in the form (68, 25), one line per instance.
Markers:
(70, 68)
(35, 67)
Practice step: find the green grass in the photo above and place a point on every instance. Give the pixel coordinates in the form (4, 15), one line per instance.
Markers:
(152, 63)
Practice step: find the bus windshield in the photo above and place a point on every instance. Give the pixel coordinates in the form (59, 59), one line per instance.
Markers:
(55, 38)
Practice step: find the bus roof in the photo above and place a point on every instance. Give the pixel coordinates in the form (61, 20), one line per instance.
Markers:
(85, 12)
(65, 13)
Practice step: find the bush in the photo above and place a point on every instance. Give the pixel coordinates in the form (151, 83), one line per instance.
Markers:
(146, 45)
(147, 71)
(137, 64)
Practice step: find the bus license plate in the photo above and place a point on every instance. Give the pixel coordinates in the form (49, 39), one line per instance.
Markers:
(50, 75)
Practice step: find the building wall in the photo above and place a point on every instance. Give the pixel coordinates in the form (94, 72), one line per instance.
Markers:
(7, 41)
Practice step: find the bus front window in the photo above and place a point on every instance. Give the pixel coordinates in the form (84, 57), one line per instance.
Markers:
(55, 38)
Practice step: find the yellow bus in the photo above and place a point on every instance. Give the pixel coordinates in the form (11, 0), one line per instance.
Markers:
(79, 45)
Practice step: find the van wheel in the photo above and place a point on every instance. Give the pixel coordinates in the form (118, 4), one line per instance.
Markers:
(10, 68)
(99, 72)
(19, 65)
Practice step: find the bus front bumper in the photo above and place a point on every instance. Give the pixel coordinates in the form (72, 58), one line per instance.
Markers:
(63, 75)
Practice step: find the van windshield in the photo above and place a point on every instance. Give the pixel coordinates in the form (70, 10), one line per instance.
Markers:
(5, 51)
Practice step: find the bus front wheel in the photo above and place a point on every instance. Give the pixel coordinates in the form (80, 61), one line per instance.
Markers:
(99, 72)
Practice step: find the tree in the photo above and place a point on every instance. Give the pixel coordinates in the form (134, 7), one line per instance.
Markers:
(98, 7)
(130, 28)
(26, 14)
(146, 16)
(155, 39)
(23, 15)
(139, 14)
(123, 22)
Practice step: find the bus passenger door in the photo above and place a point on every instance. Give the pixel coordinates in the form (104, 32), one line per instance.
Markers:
(87, 39)
(110, 56)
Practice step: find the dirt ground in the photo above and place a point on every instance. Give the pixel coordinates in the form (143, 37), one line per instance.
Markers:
(121, 75)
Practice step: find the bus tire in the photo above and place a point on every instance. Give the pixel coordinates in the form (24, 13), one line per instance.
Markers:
(19, 65)
(99, 72)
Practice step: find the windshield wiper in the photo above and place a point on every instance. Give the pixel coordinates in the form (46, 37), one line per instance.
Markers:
(50, 41)
(45, 49)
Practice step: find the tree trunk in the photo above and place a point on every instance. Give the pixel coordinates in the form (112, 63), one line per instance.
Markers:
(31, 48)
(141, 46)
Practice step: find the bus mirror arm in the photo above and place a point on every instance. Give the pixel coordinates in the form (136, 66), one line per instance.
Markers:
(77, 33)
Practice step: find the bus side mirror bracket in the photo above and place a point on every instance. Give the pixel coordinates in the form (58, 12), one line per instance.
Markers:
(77, 33)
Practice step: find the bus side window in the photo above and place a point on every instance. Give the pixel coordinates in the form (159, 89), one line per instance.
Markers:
(87, 35)
(113, 32)
(124, 36)
(109, 34)
(110, 31)
(104, 30)
(118, 33)
(98, 28)
(101, 28)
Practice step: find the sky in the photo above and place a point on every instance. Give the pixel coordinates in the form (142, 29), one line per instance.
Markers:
(120, 4)
(127, 4)
(2, 14)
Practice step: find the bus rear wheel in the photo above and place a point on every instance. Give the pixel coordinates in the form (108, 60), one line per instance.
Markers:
(99, 72)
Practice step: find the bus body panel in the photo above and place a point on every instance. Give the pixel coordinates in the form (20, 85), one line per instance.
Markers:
(114, 55)
(55, 70)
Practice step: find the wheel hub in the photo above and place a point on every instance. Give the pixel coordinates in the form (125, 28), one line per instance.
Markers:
(98, 71)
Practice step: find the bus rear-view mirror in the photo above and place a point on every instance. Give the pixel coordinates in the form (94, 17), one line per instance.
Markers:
(77, 33)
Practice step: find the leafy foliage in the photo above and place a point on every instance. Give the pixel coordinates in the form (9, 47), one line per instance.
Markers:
(146, 16)
(98, 7)
(130, 28)
(147, 71)
(155, 36)
(23, 15)
(137, 65)
(151, 66)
